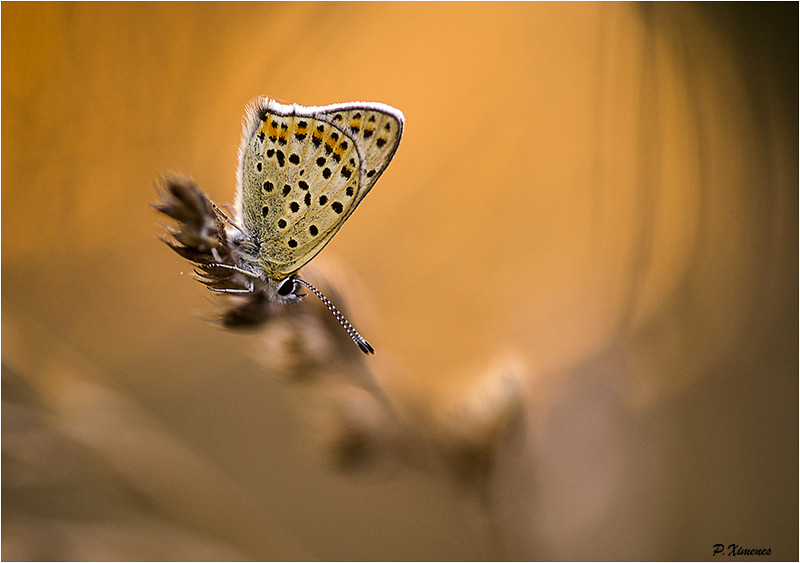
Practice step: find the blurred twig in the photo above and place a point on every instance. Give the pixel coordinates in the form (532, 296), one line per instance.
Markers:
(88, 474)
(459, 438)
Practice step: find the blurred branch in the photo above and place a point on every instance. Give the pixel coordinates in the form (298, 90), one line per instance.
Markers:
(459, 438)
(90, 475)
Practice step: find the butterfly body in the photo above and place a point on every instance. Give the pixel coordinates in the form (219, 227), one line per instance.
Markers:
(302, 171)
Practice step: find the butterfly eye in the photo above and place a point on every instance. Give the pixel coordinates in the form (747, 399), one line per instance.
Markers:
(287, 287)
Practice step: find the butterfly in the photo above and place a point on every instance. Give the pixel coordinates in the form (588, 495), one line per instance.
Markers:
(301, 173)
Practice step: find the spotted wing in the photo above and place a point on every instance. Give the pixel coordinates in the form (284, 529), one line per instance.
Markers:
(302, 172)
(376, 129)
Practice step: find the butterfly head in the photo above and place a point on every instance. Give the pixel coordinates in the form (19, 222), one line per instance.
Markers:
(287, 290)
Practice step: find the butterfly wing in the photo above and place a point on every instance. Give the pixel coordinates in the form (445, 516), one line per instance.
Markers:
(303, 171)
(376, 129)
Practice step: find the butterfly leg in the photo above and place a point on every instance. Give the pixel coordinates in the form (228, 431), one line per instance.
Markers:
(228, 219)
(248, 276)
(233, 269)
(233, 291)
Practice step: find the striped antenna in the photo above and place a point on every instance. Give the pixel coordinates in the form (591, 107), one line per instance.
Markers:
(357, 338)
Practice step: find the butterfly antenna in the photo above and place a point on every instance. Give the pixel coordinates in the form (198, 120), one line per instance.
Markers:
(357, 338)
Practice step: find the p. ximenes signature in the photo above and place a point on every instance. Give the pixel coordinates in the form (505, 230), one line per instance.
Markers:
(735, 549)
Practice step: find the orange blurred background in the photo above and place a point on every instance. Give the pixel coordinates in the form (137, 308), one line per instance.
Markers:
(601, 196)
